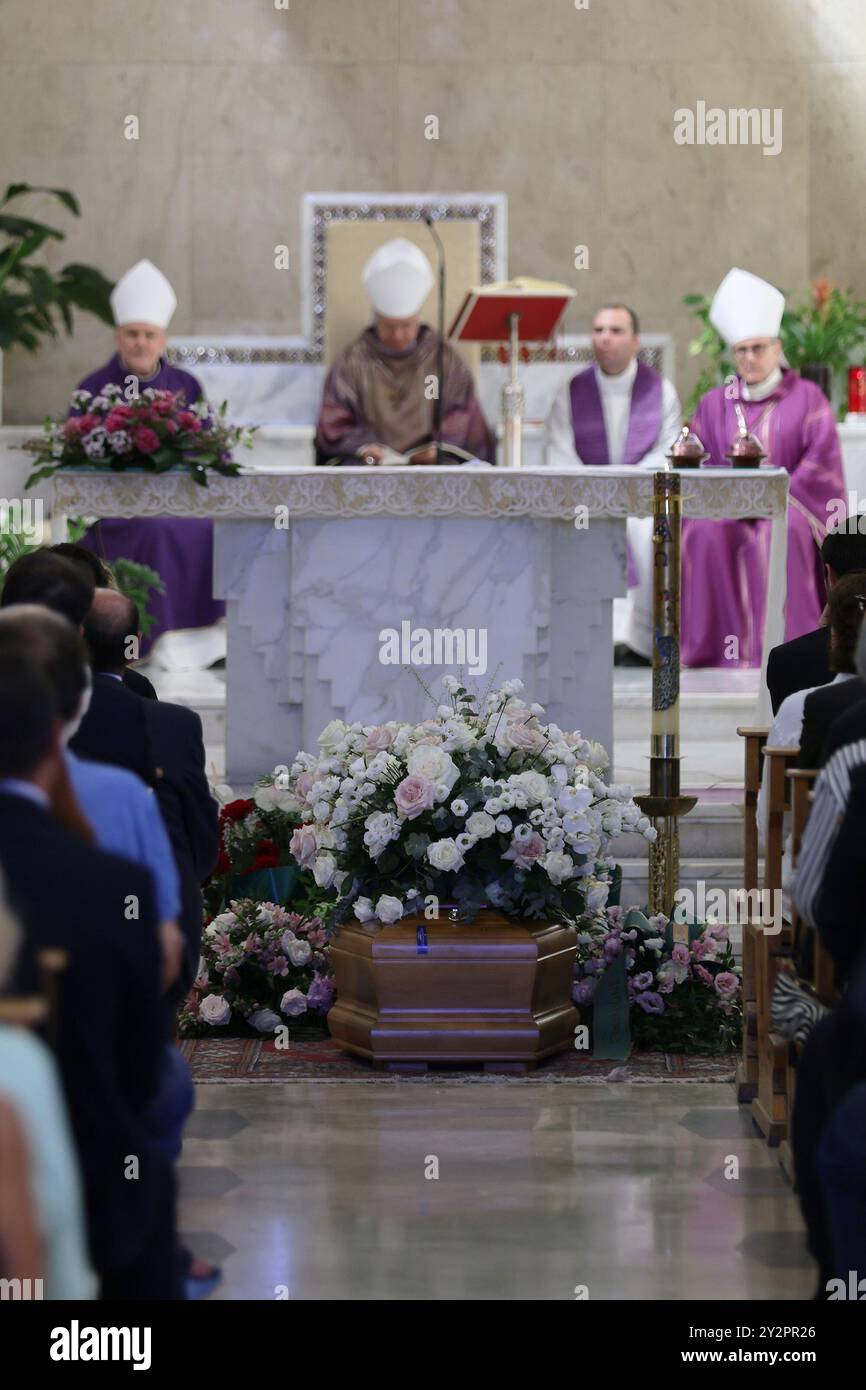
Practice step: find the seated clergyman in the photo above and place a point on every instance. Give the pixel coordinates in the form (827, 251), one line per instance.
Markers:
(378, 398)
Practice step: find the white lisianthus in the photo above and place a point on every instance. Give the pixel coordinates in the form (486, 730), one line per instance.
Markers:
(264, 1020)
(299, 952)
(389, 909)
(503, 824)
(293, 1003)
(363, 909)
(459, 807)
(481, 825)
(451, 684)
(464, 842)
(596, 894)
(653, 943)
(558, 867)
(493, 806)
(445, 855)
(324, 868)
(214, 1010)
(321, 810)
(264, 918)
(431, 761)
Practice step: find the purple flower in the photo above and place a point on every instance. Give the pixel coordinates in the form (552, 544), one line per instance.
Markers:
(582, 991)
(727, 984)
(644, 980)
(650, 1002)
(612, 947)
(321, 992)
(593, 967)
(680, 954)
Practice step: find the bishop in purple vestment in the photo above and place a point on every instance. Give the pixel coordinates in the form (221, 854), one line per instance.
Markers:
(179, 549)
(725, 563)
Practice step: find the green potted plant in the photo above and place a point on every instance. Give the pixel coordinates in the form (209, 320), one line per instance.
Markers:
(819, 336)
(34, 300)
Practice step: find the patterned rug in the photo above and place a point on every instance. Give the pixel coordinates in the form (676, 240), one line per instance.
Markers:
(259, 1062)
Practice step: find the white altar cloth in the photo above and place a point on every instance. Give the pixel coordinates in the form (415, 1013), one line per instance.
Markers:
(444, 548)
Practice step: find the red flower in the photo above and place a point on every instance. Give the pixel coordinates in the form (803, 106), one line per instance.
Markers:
(238, 810)
(188, 421)
(88, 422)
(145, 440)
(118, 418)
(72, 427)
(267, 856)
(163, 404)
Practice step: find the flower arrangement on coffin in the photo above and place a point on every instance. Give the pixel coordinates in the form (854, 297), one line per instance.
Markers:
(481, 805)
(683, 997)
(156, 431)
(261, 967)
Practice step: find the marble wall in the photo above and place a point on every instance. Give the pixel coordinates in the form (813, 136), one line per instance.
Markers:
(244, 105)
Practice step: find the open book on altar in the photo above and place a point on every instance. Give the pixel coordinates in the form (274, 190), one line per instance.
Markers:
(452, 453)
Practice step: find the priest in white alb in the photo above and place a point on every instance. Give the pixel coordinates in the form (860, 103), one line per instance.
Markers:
(618, 412)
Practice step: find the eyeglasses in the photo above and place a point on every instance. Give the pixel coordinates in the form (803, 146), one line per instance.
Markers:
(751, 349)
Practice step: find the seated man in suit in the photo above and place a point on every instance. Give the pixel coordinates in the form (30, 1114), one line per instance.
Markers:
(189, 811)
(824, 705)
(98, 909)
(103, 578)
(114, 729)
(805, 661)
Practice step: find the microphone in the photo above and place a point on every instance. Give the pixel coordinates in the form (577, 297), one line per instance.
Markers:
(440, 394)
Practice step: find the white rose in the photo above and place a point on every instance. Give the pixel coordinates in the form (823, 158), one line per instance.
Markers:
(286, 801)
(264, 1020)
(293, 1002)
(299, 952)
(481, 825)
(363, 909)
(324, 869)
(532, 784)
(264, 918)
(445, 855)
(459, 807)
(430, 761)
(596, 896)
(389, 909)
(332, 735)
(265, 798)
(287, 938)
(214, 1010)
(503, 824)
(557, 866)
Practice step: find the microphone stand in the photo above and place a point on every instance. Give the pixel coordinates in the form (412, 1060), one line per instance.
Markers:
(440, 384)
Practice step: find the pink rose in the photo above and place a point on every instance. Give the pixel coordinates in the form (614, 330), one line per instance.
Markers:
(414, 795)
(524, 734)
(304, 785)
(302, 846)
(524, 853)
(145, 440)
(379, 739)
(727, 984)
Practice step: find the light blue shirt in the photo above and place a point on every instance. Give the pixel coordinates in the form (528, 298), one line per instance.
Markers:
(126, 819)
(29, 1082)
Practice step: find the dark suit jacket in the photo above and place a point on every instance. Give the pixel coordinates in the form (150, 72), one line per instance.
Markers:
(190, 813)
(138, 684)
(114, 729)
(798, 664)
(821, 708)
(850, 727)
(111, 1014)
(840, 915)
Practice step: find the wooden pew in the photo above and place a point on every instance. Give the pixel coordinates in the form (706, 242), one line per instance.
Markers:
(801, 782)
(770, 1105)
(747, 1066)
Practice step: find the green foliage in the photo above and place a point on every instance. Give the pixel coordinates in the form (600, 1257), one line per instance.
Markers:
(32, 297)
(707, 344)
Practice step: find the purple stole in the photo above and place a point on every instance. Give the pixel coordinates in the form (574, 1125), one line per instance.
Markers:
(587, 417)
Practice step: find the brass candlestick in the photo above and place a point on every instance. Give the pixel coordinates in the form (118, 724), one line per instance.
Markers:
(664, 804)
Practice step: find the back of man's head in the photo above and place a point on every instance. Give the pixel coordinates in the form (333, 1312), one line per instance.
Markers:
(31, 633)
(847, 605)
(87, 562)
(28, 717)
(108, 627)
(844, 548)
(51, 580)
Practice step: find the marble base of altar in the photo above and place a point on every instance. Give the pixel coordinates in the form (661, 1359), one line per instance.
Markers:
(419, 992)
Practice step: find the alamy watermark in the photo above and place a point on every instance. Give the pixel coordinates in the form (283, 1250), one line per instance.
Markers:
(438, 646)
(737, 126)
(757, 906)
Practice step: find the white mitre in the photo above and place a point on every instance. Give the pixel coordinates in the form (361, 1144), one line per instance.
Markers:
(745, 306)
(143, 295)
(398, 278)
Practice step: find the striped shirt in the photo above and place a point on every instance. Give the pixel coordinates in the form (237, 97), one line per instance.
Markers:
(828, 809)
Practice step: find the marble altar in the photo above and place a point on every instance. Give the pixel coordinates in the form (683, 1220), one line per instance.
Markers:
(316, 563)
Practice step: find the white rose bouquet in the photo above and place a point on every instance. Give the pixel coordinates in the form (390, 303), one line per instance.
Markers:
(482, 805)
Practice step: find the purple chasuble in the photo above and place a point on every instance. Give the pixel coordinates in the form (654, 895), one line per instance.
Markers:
(587, 417)
(725, 563)
(590, 435)
(179, 549)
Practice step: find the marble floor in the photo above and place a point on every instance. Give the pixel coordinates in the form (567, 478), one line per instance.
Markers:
(317, 1191)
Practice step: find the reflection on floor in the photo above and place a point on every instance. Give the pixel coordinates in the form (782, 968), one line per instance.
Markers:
(317, 1191)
